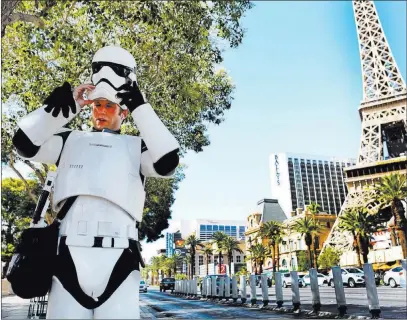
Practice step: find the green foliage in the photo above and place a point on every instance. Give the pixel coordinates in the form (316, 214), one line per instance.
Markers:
(302, 261)
(242, 272)
(181, 277)
(16, 211)
(177, 46)
(329, 258)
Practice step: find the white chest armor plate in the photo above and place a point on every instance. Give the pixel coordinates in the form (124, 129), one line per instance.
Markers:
(103, 165)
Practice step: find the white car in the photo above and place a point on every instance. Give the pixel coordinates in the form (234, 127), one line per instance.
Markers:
(287, 280)
(350, 277)
(322, 279)
(394, 277)
(143, 286)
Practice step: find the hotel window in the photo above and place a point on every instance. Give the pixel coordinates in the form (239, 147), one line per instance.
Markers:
(221, 228)
(200, 260)
(238, 259)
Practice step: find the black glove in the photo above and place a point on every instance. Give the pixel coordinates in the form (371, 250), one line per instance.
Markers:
(133, 98)
(61, 99)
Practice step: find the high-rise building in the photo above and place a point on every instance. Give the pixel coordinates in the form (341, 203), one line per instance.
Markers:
(297, 180)
(204, 229)
(169, 244)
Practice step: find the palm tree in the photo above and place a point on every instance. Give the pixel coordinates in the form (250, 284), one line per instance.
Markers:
(155, 267)
(361, 225)
(258, 253)
(390, 191)
(193, 243)
(218, 237)
(273, 231)
(313, 208)
(173, 262)
(230, 245)
(207, 251)
(306, 226)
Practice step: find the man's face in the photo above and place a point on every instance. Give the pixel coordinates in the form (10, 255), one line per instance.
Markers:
(107, 115)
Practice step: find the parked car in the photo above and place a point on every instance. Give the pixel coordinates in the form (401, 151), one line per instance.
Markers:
(394, 277)
(322, 280)
(167, 284)
(350, 277)
(287, 280)
(143, 286)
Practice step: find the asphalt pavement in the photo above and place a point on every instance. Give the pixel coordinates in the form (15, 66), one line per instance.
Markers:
(155, 304)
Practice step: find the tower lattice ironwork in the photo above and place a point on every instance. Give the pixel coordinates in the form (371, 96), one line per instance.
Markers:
(383, 114)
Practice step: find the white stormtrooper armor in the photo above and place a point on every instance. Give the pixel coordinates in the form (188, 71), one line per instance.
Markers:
(105, 171)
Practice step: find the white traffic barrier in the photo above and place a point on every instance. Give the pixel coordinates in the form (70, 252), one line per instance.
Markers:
(295, 291)
(234, 289)
(243, 295)
(372, 297)
(221, 288)
(278, 285)
(203, 291)
(208, 288)
(196, 287)
(214, 291)
(264, 289)
(339, 291)
(316, 299)
(227, 288)
(253, 295)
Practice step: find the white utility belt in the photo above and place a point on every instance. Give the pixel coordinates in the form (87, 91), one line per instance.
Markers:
(100, 234)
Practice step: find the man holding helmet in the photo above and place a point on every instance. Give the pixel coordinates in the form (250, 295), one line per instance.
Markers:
(102, 174)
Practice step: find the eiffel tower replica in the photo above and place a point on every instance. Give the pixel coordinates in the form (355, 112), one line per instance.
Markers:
(383, 115)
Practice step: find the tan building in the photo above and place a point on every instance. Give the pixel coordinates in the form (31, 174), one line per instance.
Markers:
(267, 210)
(292, 243)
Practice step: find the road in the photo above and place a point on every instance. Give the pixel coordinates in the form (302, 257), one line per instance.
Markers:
(155, 304)
(172, 306)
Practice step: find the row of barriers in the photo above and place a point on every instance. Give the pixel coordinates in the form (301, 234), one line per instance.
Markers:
(227, 288)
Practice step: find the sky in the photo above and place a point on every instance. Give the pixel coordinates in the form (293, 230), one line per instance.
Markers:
(298, 88)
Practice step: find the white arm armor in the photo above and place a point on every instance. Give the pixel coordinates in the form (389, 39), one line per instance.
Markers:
(157, 137)
(40, 127)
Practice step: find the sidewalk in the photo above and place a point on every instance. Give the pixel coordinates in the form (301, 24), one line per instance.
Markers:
(13, 307)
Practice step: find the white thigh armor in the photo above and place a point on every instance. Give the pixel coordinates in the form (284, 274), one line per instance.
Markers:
(103, 165)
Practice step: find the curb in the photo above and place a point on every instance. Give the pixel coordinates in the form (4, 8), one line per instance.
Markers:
(303, 313)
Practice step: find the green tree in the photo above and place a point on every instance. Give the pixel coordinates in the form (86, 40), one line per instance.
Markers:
(361, 225)
(218, 238)
(193, 244)
(314, 208)
(17, 209)
(155, 266)
(329, 258)
(307, 226)
(207, 251)
(177, 46)
(257, 254)
(302, 261)
(273, 231)
(173, 262)
(390, 191)
(231, 245)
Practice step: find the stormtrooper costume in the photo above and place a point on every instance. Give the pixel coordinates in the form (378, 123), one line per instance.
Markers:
(102, 175)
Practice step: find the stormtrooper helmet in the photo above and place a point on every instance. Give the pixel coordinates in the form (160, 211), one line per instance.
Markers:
(113, 71)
